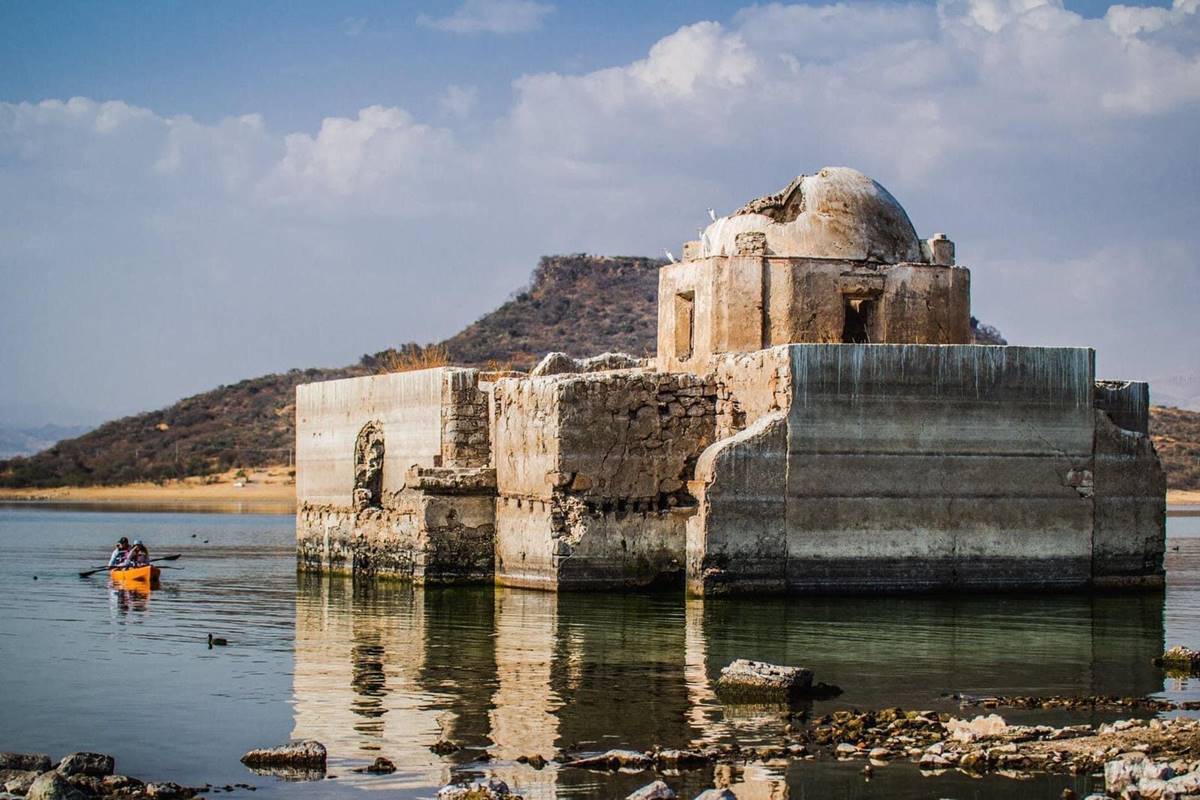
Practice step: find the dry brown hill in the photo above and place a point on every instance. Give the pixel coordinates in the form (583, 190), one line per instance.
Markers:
(1176, 436)
(582, 305)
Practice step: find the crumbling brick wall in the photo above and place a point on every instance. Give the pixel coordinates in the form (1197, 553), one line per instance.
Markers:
(465, 438)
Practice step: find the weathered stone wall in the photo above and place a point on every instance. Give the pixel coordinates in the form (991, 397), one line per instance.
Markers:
(742, 303)
(737, 539)
(330, 415)
(438, 529)
(914, 468)
(1129, 487)
(750, 386)
(466, 441)
(924, 304)
(432, 524)
(590, 471)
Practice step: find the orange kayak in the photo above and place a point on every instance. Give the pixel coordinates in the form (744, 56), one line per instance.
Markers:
(135, 577)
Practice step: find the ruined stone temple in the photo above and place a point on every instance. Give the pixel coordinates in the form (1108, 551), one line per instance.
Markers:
(816, 420)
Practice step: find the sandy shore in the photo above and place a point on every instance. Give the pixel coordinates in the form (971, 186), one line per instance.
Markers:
(1180, 497)
(272, 490)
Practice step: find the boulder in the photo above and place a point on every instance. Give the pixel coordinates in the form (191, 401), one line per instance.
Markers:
(38, 762)
(981, 727)
(95, 764)
(53, 786)
(681, 759)
(758, 681)
(381, 766)
(716, 794)
(165, 790)
(613, 760)
(88, 784)
(610, 361)
(308, 754)
(488, 789)
(119, 783)
(562, 364)
(18, 781)
(1180, 658)
(653, 791)
(555, 364)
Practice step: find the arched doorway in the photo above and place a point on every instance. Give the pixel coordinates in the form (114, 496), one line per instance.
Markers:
(368, 467)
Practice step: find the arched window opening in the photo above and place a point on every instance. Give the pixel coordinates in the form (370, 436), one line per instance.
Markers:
(368, 467)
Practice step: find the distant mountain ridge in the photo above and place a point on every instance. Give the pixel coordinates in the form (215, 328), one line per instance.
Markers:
(27, 441)
(579, 304)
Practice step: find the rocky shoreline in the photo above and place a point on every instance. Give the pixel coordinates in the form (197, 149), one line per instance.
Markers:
(84, 776)
(1139, 759)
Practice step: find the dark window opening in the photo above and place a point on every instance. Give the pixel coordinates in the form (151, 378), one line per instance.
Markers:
(858, 317)
(368, 467)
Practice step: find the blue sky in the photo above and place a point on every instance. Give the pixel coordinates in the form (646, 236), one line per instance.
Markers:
(194, 193)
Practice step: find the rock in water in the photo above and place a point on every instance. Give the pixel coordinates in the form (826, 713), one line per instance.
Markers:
(308, 754)
(490, 789)
(614, 760)
(382, 766)
(52, 786)
(97, 765)
(653, 791)
(1180, 658)
(758, 681)
(39, 762)
(166, 790)
(981, 727)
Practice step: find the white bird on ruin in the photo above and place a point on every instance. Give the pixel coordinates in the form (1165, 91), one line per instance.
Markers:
(669, 256)
(712, 215)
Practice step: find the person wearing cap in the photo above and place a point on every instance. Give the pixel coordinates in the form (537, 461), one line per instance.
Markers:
(138, 555)
(119, 553)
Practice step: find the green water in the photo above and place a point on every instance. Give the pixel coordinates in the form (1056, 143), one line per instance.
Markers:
(390, 670)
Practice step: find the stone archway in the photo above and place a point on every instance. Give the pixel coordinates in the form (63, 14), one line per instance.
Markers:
(368, 467)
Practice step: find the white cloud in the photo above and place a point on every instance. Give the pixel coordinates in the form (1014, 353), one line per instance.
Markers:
(1058, 151)
(491, 16)
(458, 101)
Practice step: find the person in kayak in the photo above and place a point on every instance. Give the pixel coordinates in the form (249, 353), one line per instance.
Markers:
(138, 555)
(119, 553)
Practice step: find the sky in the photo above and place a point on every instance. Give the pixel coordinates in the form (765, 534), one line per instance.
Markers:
(196, 193)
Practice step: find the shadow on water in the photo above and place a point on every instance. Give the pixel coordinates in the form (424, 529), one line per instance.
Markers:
(395, 670)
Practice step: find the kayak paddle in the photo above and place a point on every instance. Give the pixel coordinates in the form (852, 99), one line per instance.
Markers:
(101, 569)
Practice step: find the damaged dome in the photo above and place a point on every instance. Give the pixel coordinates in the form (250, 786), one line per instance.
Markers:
(837, 213)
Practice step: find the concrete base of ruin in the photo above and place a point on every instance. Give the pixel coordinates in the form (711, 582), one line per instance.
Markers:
(898, 468)
(801, 468)
(439, 530)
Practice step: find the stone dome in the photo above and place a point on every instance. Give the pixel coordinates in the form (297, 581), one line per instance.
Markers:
(837, 213)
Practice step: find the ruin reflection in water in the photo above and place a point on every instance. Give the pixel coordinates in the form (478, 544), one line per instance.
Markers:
(394, 670)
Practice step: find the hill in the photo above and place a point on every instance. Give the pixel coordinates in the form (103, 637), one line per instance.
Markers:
(582, 305)
(1176, 434)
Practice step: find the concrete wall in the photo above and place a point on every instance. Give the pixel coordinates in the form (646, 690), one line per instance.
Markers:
(743, 303)
(329, 416)
(916, 468)
(590, 472)
(425, 525)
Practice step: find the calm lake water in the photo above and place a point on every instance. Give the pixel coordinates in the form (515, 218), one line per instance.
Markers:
(388, 670)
